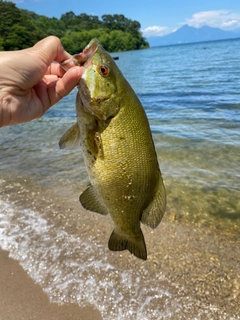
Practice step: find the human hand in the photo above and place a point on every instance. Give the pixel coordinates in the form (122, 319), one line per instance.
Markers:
(30, 83)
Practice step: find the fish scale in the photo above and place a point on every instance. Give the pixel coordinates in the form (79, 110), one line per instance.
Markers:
(118, 150)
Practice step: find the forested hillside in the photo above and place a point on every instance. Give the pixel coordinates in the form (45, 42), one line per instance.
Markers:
(21, 29)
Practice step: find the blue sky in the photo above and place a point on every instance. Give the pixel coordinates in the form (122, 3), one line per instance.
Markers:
(157, 18)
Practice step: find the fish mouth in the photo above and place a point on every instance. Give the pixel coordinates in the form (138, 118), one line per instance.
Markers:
(81, 59)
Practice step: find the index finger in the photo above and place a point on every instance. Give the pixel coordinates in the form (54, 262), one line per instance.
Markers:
(50, 49)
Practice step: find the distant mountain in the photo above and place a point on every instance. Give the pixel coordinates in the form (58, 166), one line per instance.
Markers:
(187, 34)
(236, 31)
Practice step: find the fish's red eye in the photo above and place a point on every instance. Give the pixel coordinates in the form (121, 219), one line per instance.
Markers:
(104, 70)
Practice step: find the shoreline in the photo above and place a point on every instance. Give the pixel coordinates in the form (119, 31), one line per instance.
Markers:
(21, 298)
(189, 268)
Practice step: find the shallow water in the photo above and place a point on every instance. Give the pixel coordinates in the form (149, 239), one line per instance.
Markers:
(191, 96)
(191, 273)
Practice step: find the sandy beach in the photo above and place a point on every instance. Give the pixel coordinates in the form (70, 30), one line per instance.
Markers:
(22, 299)
(192, 272)
(203, 276)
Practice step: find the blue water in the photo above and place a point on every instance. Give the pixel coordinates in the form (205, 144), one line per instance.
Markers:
(192, 99)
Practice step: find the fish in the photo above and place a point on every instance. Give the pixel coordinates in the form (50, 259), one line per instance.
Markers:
(118, 150)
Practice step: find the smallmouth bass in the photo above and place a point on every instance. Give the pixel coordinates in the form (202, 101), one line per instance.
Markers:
(113, 131)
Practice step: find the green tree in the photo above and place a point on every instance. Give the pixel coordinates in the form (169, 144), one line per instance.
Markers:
(68, 18)
(22, 28)
(16, 29)
(75, 42)
(1, 44)
(108, 21)
(9, 15)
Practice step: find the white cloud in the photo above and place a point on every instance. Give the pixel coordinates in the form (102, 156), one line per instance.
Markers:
(156, 31)
(223, 19)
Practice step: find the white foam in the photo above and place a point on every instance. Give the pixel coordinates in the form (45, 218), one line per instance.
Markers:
(72, 270)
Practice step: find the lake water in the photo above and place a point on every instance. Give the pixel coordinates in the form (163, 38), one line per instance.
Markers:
(192, 99)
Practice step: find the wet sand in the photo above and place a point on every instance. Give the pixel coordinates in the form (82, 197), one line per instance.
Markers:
(195, 267)
(204, 279)
(22, 299)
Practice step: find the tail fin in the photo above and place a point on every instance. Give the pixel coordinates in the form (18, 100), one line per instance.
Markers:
(135, 245)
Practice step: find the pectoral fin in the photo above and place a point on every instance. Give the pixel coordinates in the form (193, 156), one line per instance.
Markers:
(90, 201)
(71, 138)
(153, 214)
